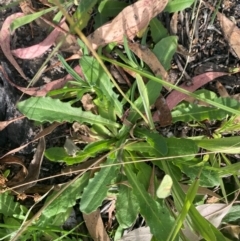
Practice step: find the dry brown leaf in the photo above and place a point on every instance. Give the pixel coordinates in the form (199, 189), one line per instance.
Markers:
(20, 175)
(163, 112)
(128, 22)
(111, 211)
(88, 105)
(95, 226)
(43, 133)
(176, 97)
(214, 213)
(233, 230)
(69, 42)
(33, 169)
(4, 124)
(221, 90)
(150, 59)
(231, 33)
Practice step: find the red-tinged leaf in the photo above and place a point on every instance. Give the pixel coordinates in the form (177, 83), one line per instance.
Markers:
(43, 90)
(38, 49)
(5, 42)
(198, 81)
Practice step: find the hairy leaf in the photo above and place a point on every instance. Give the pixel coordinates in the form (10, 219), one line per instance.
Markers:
(127, 206)
(157, 216)
(66, 200)
(97, 187)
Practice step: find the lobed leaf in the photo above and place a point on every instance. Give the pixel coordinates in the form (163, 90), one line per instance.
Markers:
(66, 200)
(48, 109)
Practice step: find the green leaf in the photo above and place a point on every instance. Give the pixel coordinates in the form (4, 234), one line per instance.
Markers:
(208, 178)
(96, 76)
(56, 154)
(144, 173)
(155, 140)
(127, 207)
(99, 20)
(157, 216)
(187, 112)
(86, 5)
(184, 91)
(8, 207)
(97, 188)
(47, 109)
(81, 19)
(143, 147)
(158, 31)
(165, 49)
(29, 18)
(233, 215)
(226, 145)
(145, 99)
(181, 149)
(178, 5)
(111, 8)
(153, 91)
(91, 150)
(71, 71)
(199, 223)
(67, 199)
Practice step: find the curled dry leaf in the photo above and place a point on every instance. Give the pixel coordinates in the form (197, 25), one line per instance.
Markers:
(19, 176)
(33, 169)
(37, 49)
(5, 42)
(214, 213)
(43, 133)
